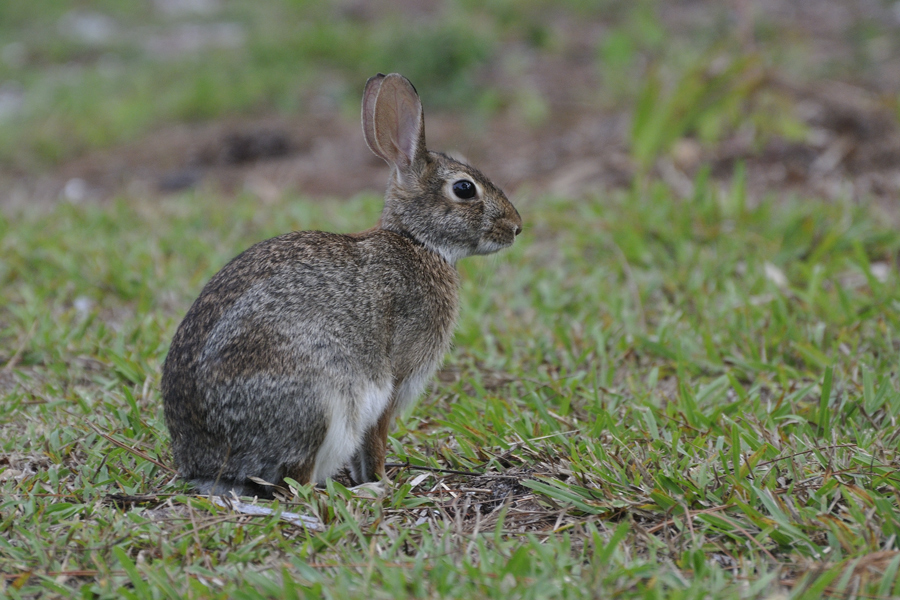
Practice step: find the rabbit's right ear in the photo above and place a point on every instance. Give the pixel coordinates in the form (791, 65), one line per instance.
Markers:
(393, 121)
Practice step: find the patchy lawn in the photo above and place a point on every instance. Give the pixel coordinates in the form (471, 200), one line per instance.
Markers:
(681, 382)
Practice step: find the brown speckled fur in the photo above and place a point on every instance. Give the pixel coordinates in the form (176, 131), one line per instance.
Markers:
(296, 356)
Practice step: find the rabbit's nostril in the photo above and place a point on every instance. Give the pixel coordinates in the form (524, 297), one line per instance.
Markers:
(518, 229)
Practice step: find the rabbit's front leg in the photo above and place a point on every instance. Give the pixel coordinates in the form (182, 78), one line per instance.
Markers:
(368, 462)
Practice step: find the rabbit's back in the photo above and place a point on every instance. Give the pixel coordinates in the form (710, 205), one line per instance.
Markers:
(294, 349)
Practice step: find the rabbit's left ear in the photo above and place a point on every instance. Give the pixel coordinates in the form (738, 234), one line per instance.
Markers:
(393, 121)
(373, 85)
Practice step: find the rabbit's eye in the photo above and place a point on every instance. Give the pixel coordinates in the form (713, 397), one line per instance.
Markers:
(464, 189)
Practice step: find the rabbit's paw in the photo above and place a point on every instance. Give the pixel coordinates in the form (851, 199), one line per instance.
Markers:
(372, 489)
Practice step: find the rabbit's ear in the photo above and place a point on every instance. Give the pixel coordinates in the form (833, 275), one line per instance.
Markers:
(373, 85)
(398, 126)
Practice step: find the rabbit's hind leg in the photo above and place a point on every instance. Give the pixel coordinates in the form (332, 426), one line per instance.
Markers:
(368, 462)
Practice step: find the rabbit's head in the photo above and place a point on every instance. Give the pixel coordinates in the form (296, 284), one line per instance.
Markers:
(442, 203)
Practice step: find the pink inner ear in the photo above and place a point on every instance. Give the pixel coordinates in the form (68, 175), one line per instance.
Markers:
(398, 121)
(409, 128)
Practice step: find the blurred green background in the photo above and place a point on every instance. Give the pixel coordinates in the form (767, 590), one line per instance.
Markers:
(533, 87)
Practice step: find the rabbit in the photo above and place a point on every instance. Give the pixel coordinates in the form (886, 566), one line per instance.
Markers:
(298, 354)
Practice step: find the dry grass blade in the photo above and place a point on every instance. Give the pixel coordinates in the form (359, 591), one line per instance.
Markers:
(130, 449)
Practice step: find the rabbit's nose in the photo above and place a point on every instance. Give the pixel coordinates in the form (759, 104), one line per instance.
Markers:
(518, 229)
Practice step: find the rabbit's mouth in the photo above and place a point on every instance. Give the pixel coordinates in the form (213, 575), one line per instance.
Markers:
(501, 236)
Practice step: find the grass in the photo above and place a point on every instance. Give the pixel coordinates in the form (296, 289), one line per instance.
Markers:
(656, 393)
(651, 397)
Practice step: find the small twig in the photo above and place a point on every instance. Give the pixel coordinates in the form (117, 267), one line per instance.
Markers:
(99, 467)
(518, 477)
(691, 515)
(128, 448)
(774, 460)
(73, 573)
(407, 465)
(392, 565)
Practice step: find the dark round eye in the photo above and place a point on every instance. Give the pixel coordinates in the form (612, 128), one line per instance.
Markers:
(464, 189)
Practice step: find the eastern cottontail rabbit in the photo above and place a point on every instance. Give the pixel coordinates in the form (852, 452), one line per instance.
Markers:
(299, 352)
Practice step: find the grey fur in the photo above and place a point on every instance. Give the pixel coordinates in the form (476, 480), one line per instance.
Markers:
(299, 352)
